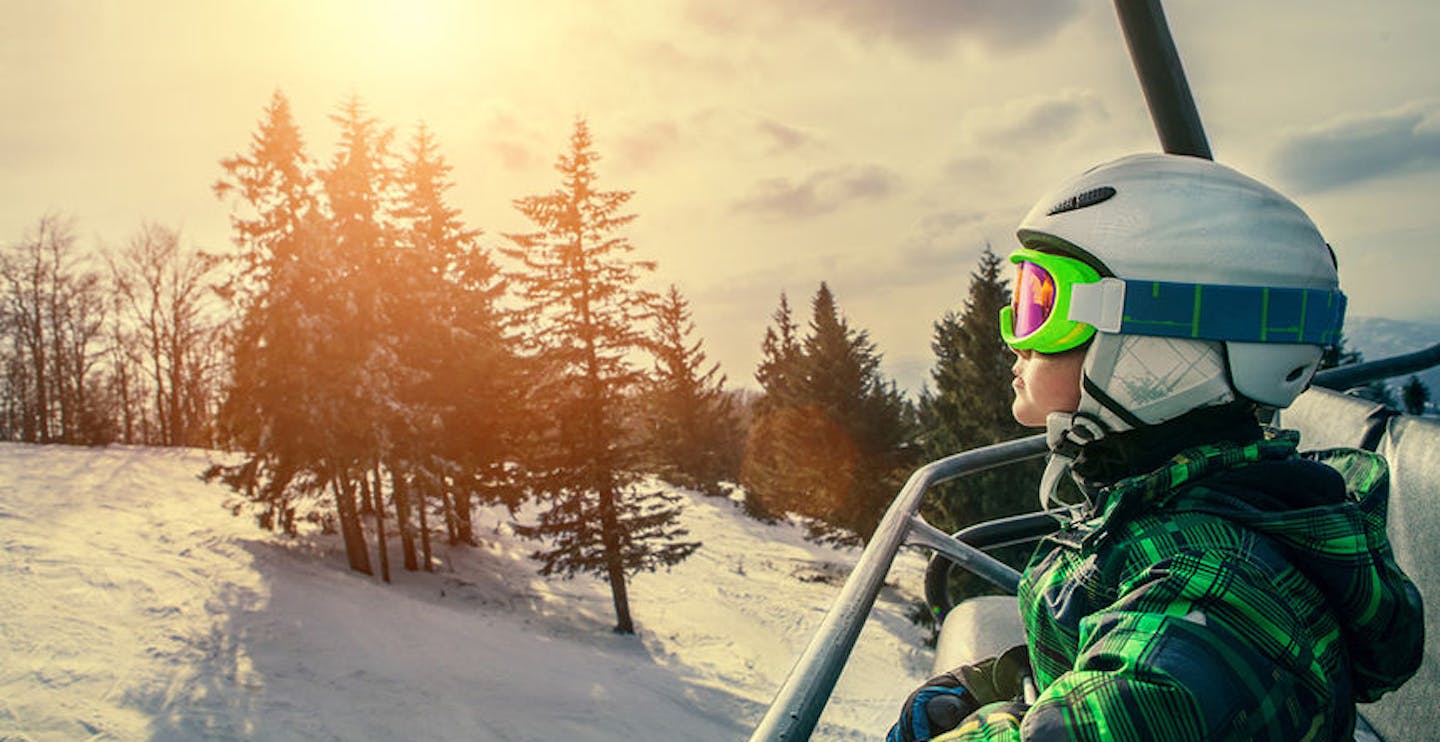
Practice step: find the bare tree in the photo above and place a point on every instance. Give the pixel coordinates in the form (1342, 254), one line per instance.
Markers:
(126, 382)
(55, 317)
(164, 291)
(24, 271)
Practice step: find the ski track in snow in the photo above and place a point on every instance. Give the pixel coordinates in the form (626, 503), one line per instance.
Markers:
(133, 605)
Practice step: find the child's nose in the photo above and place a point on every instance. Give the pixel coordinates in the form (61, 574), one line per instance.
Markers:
(1021, 356)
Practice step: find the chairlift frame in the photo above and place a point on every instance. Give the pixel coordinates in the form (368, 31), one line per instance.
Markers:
(798, 704)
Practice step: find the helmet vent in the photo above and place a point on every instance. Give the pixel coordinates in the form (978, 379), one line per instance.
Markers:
(1293, 375)
(1081, 200)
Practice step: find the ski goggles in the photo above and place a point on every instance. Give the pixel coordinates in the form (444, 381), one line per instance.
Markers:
(1060, 302)
(1038, 317)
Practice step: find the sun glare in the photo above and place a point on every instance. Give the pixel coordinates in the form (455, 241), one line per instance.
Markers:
(411, 26)
(396, 33)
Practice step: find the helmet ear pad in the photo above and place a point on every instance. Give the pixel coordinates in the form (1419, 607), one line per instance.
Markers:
(1132, 381)
(1272, 374)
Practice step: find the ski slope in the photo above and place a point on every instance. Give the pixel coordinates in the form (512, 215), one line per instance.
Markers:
(133, 605)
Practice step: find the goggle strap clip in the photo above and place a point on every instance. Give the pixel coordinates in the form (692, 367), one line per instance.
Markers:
(1056, 467)
(1100, 304)
(1066, 435)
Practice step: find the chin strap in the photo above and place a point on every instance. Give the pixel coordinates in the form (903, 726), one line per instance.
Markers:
(1066, 433)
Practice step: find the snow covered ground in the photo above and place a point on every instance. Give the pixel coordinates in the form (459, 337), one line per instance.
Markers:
(133, 605)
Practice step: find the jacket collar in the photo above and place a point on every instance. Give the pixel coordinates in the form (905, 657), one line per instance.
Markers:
(1192, 464)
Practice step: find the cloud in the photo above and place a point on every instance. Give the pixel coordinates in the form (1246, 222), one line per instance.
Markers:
(940, 246)
(926, 27)
(681, 58)
(785, 138)
(820, 193)
(938, 240)
(1358, 148)
(642, 144)
(1036, 119)
(964, 168)
(511, 139)
(751, 134)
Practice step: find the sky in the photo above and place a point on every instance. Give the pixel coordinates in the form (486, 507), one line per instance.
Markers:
(770, 145)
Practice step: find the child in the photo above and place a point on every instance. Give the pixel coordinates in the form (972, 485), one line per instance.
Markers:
(1213, 584)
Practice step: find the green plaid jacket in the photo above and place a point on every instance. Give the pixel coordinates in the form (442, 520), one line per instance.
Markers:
(1239, 592)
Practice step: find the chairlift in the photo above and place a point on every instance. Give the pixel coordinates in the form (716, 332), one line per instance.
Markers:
(980, 626)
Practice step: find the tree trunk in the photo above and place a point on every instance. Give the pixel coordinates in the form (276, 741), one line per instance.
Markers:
(42, 386)
(364, 502)
(464, 526)
(402, 517)
(446, 495)
(424, 485)
(126, 414)
(614, 566)
(57, 378)
(159, 375)
(378, 505)
(178, 433)
(350, 526)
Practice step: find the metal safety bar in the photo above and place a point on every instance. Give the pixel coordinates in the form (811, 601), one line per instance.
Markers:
(965, 555)
(802, 697)
(1359, 374)
(1017, 529)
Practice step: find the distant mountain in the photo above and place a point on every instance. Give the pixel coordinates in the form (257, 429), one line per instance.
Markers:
(1377, 337)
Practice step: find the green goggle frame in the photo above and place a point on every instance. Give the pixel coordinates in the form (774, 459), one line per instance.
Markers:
(1058, 333)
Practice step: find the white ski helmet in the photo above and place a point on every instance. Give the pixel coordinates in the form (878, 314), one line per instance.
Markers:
(1212, 287)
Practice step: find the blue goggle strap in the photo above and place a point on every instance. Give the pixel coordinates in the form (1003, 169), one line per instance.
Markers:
(1251, 314)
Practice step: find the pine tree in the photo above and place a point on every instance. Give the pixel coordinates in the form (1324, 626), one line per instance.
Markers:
(691, 419)
(779, 373)
(970, 406)
(370, 352)
(859, 409)
(274, 179)
(1415, 395)
(353, 357)
(586, 314)
(764, 470)
(312, 376)
(275, 212)
(463, 398)
(1338, 355)
(829, 439)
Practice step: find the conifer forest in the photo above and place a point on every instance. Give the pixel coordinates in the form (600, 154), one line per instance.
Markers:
(381, 368)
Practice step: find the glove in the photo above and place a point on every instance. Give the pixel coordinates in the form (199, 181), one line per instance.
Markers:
(945, 700)
(937, 706)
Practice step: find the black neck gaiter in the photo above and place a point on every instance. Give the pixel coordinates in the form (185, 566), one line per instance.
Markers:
(1143, 450)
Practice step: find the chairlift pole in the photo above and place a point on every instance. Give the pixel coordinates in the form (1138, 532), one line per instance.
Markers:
(1177, 121)
(1162, 78)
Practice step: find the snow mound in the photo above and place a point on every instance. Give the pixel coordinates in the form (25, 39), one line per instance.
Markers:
(136, 606)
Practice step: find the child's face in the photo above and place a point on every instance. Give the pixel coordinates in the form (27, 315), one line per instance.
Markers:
(1045, 383)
